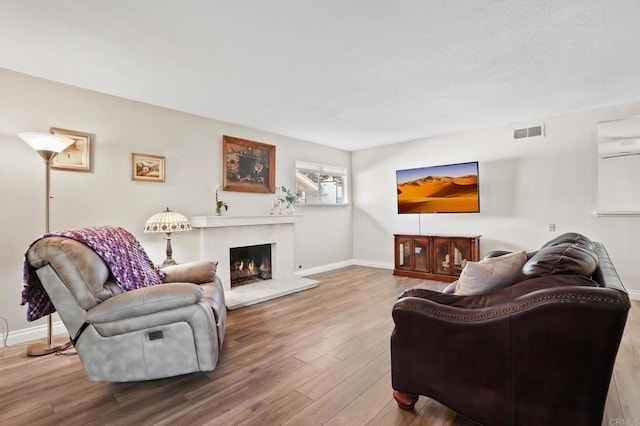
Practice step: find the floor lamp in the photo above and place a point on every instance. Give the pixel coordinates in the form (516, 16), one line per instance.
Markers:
(48, 146)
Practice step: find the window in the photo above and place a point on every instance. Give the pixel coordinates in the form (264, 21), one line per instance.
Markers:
(321, 184)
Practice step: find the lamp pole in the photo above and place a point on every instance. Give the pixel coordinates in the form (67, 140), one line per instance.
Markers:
(38, 349)
(47, 156)
(47, 146)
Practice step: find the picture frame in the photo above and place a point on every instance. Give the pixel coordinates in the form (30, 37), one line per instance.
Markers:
(248, 166)
(147, 167)
(76, 157)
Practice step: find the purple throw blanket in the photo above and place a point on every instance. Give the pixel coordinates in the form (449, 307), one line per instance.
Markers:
(128, 262)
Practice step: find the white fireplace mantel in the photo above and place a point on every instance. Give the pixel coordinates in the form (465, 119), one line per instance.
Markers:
(218, 234)
(224, 221)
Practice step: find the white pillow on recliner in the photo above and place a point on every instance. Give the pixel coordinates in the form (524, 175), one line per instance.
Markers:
(490, 274)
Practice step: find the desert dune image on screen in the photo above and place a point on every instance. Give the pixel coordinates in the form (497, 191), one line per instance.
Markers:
(440, 189)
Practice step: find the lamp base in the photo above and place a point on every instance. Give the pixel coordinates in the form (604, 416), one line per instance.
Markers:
(168, 262)
(40, 349)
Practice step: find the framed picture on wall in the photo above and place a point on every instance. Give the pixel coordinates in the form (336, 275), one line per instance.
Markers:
(147, 167)
(77, 156)
(248, 166)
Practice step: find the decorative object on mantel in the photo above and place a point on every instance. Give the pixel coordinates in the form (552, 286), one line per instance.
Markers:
(289, 198)
(47, 146)
(167, 222)
(275, 208)
(219, 203)
(77, 156)
(248, 166)
(147, 167)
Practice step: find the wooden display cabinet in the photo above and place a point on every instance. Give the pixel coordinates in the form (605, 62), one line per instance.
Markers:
(434, 257)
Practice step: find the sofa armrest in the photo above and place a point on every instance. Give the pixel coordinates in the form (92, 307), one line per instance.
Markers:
(192, 272)
(496, 253)
(425, 293)
(144, 301)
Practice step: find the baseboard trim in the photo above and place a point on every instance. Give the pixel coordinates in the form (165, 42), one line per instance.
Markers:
(323, 268)
(32, 333)
(634, 294)
(342, 264)
(373, 264)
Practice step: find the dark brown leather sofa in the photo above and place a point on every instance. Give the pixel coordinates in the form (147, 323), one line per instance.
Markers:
(539, 352)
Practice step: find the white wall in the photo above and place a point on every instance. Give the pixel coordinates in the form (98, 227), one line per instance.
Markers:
(193, 149)
(524, 186)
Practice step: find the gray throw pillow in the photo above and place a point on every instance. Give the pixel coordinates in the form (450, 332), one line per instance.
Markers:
(197, 272)
(490, 274)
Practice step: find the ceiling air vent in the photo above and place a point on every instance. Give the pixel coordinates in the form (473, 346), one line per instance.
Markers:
(529, 132)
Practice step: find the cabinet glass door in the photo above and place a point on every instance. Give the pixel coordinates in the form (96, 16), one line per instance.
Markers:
(421, 253)
(443, 260)
(462, 254)
(404, 253)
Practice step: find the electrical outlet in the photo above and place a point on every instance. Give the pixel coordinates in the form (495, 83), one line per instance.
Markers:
(552, 227)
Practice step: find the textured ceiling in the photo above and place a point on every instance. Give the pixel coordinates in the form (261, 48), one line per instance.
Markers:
(345, 73)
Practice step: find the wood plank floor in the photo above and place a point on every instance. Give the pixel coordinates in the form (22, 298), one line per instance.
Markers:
(316, 357)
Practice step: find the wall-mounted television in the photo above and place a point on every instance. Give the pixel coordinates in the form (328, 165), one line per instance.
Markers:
(450, 188)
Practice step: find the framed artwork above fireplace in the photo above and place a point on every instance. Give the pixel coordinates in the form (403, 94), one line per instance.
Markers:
(248, 166)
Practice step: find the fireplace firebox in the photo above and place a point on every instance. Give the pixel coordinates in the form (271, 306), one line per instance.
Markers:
(250, 264)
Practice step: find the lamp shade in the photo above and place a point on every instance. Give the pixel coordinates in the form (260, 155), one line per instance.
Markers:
(167, 221)
(45, 141)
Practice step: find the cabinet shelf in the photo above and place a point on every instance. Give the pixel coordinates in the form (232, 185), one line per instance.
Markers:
(434, 257)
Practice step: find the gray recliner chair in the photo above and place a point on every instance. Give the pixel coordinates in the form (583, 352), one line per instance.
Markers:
(148, 333)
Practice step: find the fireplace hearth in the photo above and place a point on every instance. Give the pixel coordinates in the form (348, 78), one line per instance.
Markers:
(217, 234)
(249, 264)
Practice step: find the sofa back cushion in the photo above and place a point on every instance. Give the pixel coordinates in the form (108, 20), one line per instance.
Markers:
(571, 238)
(561, 258)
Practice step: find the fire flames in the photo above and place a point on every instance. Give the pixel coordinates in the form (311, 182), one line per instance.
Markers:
(251, 268)
(245, 271)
